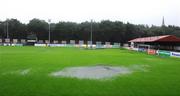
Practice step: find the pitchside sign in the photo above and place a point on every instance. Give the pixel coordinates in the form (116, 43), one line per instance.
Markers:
(175, 54)
(163, 53)
(81, 43)
(107, 44)
(89, 42)
(16, 44)
(40, 45)
(116, 45)
(151, 51)
(23, 41)
(142, 49)
(55, 41)
(7, 40)
(15, 40)
(126, 45)
(63, 42)
(40, 41)
(46, 41)
(72, 42)
(0, 40)
(98, 44)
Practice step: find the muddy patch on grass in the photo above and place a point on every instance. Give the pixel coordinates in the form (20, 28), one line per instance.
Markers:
(92, 72)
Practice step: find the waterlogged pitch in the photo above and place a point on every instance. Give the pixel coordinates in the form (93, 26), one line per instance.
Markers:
(45, 71)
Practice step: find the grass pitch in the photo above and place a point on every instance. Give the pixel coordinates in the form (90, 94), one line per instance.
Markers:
(24, 71)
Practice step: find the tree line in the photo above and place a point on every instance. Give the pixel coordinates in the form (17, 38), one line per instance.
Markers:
(106, 30)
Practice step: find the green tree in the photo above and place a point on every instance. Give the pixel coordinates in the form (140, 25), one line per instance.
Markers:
(38, 27)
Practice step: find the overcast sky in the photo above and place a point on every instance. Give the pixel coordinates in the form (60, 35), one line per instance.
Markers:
(133, 11)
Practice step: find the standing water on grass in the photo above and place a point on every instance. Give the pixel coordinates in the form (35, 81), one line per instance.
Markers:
(92, 72)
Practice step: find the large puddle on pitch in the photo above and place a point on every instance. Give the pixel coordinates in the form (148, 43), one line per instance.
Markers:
(92, 72)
